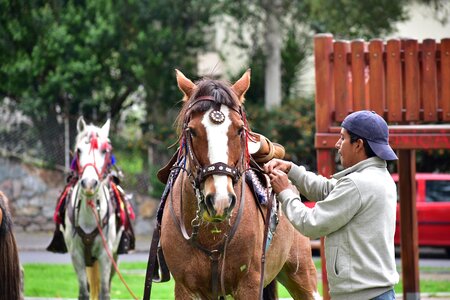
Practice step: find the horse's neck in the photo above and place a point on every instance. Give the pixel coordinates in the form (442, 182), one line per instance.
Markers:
(84, 213)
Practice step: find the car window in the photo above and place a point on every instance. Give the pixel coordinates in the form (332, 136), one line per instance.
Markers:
(437, 191)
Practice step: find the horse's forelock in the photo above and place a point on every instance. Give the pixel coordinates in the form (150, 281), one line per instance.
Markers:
(87, 132)
(219, 90)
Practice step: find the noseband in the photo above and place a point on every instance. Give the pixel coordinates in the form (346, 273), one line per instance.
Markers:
(219, 168)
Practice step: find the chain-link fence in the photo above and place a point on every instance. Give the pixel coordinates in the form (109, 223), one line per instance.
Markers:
(51, 145)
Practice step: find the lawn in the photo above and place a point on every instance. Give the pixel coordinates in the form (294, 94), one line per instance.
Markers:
(59, 281)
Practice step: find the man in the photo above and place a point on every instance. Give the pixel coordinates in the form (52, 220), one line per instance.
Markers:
(355, 210)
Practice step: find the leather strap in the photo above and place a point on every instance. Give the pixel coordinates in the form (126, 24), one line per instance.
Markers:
(264, 244)
(151, 264)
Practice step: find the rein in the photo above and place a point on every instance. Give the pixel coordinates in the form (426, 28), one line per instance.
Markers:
(105, 246)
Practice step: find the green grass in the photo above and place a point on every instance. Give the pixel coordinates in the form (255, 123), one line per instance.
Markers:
(59, 281)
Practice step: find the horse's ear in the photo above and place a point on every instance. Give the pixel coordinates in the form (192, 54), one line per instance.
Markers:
(241, 86)
(81, 124)
(105, 128)
(185, 85)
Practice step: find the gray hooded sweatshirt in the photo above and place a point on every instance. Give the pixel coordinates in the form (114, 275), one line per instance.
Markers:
(356, 212)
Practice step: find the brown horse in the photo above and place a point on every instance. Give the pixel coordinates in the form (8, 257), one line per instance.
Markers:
(10, 270)
(213, 230)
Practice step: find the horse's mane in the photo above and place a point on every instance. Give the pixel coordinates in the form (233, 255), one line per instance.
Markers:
(219, 90)
(10, 278)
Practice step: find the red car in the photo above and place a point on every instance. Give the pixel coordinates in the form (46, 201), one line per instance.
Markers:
(433, 210)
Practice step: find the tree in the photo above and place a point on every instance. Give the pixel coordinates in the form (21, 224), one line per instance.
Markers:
(87, 57)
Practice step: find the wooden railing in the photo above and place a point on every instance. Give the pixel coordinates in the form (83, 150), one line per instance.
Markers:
(406, 82)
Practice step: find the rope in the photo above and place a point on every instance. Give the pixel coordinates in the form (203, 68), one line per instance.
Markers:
(92, 205)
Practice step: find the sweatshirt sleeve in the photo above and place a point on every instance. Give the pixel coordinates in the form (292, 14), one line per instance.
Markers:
(312, 186)
(327, 216)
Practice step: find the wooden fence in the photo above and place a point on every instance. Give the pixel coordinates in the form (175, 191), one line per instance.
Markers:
(406, 82)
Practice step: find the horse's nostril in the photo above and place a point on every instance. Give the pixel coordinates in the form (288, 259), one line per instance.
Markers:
(232, 201)
(83, 183)
(209, 201)
(94, 183)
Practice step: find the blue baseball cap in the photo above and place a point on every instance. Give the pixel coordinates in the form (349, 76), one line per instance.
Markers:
(367, 124)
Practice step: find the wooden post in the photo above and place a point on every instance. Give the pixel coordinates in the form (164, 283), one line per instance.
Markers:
(409, 245)
(323, 45)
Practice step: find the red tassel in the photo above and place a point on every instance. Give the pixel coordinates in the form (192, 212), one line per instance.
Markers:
(94, 143)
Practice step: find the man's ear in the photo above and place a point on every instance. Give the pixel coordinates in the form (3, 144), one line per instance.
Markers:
(360, 146)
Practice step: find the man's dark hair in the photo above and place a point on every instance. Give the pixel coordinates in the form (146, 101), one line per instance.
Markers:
(367, 149)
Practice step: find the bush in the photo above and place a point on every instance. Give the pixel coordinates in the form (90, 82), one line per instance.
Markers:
(292, 125)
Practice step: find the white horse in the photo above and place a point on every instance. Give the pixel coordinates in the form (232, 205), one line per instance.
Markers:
(90, 211)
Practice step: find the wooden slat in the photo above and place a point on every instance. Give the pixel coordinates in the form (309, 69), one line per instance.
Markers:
(358, 78)
(394, 93)
(445, 79)
(341, 80)
(429, 80)
(396, 140)
(412, 80)
(377, 88)
(323, 47)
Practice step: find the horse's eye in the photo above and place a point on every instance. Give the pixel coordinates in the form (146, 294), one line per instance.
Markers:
(78, 151)
(240, 130)
(191, 131)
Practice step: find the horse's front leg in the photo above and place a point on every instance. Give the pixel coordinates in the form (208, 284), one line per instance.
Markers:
(248, 287)
(182, 293)
(80, 269)
(105, 276)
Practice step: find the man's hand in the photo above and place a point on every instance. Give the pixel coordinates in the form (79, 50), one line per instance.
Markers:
(279, 181)
(277, 164)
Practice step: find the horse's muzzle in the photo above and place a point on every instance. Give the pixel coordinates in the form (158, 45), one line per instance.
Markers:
(218, 211)
(89, 185)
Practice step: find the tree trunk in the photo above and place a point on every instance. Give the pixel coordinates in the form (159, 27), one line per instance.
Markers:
(272, 95)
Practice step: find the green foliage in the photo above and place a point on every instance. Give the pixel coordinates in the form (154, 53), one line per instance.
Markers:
(292, 125)
(356, 19)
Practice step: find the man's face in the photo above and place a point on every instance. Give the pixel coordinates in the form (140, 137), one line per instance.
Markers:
(346, 150)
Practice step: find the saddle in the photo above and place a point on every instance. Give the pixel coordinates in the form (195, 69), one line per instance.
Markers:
(260, 148)
(122, 209)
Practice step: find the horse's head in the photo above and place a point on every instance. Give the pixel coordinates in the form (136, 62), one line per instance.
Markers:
(214, 133)
(92, 155)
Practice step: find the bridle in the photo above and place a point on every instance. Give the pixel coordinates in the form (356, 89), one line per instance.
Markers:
(93, 140)
(201, 173)
(218, 168)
